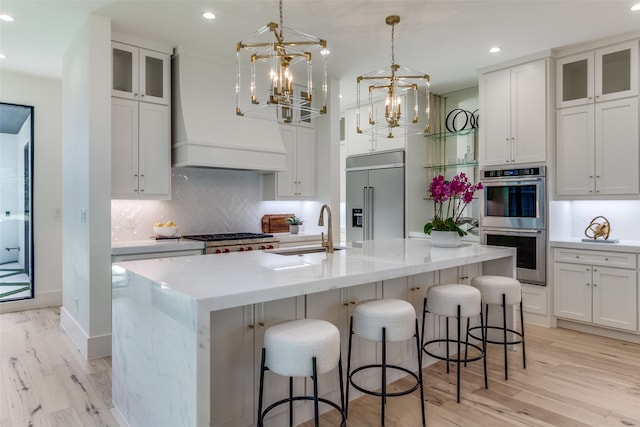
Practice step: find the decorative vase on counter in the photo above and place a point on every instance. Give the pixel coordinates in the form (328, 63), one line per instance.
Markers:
(294, 228)
(445, 239)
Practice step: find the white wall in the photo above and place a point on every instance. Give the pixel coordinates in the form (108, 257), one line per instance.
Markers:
(86, 161)
(45, 95)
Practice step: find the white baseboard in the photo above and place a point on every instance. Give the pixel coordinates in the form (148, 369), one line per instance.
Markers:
(90, 347)
(41, 300)
(596, 330)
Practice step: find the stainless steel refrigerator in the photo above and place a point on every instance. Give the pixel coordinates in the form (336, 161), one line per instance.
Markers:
(375, 196)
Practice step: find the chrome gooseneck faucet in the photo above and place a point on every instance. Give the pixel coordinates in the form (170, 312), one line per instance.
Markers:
(327, 244)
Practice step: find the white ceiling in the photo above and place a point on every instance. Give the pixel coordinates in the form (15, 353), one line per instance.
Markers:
(447, 39)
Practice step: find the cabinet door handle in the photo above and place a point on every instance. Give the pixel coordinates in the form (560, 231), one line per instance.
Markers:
(260, 323)
(141, 185)
(251, 326)
(137, 182)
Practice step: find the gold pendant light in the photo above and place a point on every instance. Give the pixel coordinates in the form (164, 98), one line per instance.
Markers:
(393, 101)
(280, 81)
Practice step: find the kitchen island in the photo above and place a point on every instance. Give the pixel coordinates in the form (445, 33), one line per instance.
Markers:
(170, 345)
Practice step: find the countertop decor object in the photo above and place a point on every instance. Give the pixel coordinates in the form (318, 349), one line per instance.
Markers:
(450, 198)
(445, 239)
(294, 223)
(275, 223)
(598, 227)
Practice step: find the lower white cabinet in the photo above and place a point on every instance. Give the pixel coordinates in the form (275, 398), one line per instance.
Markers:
(235, 366)
(586, 289)
(140, 150)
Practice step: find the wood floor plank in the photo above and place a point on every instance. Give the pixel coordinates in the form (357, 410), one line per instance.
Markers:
(572, 379)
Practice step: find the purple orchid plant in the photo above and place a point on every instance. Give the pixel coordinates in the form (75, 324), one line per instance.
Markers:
(449, 200)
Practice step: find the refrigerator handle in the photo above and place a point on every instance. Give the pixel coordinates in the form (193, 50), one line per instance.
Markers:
(365, 214)
(370, 215)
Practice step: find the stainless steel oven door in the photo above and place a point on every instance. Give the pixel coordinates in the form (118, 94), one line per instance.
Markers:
(530, 251)
(514, 203)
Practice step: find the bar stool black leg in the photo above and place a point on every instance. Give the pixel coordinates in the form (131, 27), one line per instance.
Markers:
(524, 358)
(383, 398)
(346, 401)
(419, 348)
(290, 401)
(458, 357)
(316, 411)
(447, 336)
(261, 389)
(424, 318)
(341, 375)
(466, 340)
(504, 333)
(484, 346)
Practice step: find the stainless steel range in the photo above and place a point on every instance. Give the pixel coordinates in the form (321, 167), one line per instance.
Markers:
(235, 242)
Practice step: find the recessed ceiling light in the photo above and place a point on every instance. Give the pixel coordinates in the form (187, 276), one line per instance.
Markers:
(209, 15)
(7, 18)
(495, 49)
(635, 7)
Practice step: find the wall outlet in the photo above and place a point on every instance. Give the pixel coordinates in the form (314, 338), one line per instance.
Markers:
(77, 304)
(57, 212)
(83, 216)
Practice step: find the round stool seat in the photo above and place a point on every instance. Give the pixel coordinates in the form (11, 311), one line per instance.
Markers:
(398, 317)
(443, 300)
(493, 287)
(290, 347)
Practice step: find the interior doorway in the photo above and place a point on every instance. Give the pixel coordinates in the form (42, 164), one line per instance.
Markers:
(16, 202)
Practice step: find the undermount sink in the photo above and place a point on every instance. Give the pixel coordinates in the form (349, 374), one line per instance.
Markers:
(302, 250)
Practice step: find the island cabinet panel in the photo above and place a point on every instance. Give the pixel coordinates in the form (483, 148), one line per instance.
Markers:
(235, 364)
(587, 290)
(336, 306)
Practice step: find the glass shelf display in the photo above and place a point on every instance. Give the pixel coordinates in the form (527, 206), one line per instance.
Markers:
(449, 153)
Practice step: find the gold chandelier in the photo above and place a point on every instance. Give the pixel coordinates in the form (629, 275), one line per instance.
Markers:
(398, 87)
(280, 74)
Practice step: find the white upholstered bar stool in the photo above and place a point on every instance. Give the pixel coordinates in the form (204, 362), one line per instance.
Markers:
(454, 301)
(384, 321)
(301, 348)
(504, 291)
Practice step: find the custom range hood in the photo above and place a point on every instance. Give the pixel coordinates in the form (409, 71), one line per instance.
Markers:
(206, 132)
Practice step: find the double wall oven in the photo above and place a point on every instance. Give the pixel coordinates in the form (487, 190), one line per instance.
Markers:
(513, 212)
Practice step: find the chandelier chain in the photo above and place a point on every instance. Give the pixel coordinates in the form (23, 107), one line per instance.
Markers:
(393, 58)
(281, 26)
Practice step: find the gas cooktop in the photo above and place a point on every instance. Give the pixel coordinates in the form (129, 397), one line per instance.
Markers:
(226, 236)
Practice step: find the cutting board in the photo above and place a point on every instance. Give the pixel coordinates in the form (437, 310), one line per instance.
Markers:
(275, 223)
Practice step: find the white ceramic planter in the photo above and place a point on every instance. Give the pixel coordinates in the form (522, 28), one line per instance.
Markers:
(445, 239)
(294, 228)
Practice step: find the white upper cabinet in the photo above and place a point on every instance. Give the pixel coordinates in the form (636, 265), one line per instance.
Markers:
(140, 74)
(513, 115)
(597, 149)
(602, 74)
(140, 124)
(298, 180)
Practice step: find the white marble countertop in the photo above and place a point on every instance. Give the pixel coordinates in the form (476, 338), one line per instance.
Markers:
(130, 247)
(630, 246)
(230, 280)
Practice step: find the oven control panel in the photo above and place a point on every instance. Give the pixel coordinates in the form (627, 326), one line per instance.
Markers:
(499, 173)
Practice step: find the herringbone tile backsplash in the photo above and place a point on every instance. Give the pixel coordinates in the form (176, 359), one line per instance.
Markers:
(204, 201)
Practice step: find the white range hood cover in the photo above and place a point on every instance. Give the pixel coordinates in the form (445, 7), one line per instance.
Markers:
(206, 132)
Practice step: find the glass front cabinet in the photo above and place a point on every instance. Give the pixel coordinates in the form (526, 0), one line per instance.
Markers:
(603, 74)
(140, 74)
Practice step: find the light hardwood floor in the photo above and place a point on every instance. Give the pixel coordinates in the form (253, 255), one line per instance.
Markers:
(572, 379)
